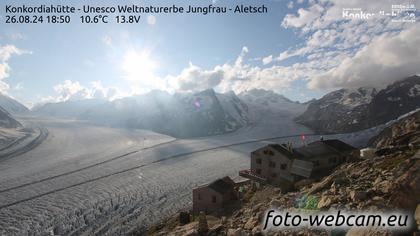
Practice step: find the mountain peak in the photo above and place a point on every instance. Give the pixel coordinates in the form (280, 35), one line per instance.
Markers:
(350, 97)
(263, 94)
(207, 92)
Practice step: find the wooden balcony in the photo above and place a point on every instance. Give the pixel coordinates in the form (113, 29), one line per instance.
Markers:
(249, 174)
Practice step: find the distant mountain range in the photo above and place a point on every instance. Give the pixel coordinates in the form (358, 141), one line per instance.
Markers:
(348, 110)
(210, 113)
(268, 100)
(179, 115)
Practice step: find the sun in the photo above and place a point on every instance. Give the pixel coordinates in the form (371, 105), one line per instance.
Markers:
(139, 69)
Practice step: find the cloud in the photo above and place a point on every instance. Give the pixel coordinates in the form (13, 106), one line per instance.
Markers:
(98, 91)
(70, 90)
(17, 36)
(386, 59)
(8, 50)
(291, 53)
(335, 53)
(303, 17)
(18, 86)
(338, 52)
(193, 78)
(151, 20)
(6, 53)
(238, 76)
(267, 60)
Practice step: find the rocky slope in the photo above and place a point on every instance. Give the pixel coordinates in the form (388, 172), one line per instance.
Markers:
(7, 121)
(352, 110)
(338, 111)
(11, 105)
(11, 130)
(403, 133)
(388, 181)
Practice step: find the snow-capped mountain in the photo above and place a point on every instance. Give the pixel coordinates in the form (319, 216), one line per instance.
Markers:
(7, 121)
(11, 105)
(347, 110)
(397, 99)
(263, 97)
(262, 101)
(179, 115)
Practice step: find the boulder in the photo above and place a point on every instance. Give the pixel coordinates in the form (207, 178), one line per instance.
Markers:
(275, 203)
(337, 177)
(235, 232)
(256, 231)
(256, 208)
(303, 183)
(251, 223)
(215, 230)
(357, 196)
(378, 199)
(384, 186)
(191, 232)
(326, 201)
(405, 193)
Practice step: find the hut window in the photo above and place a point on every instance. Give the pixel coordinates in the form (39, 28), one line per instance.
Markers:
(316, 163)
(268, 152)
(272, 164)
(273, 175)
(213, 199)
(283, 166)
(258, 171)
(258, 160)
(199, 196)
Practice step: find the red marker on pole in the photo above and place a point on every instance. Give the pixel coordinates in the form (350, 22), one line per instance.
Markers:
(302, 137)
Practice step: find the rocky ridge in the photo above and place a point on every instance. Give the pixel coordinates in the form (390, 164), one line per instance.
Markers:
(349, 110)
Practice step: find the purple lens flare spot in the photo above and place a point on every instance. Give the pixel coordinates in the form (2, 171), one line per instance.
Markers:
(197, 103)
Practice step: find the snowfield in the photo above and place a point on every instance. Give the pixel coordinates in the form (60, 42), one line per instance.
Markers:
(88, 179)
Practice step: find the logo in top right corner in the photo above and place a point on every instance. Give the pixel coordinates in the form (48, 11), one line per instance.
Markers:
(403, 13)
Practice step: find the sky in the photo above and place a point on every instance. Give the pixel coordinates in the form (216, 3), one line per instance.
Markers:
(300, 48)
